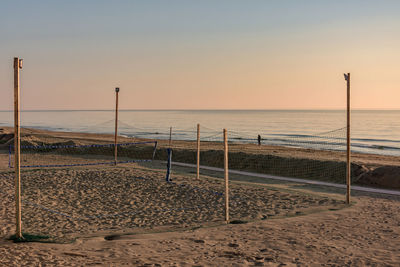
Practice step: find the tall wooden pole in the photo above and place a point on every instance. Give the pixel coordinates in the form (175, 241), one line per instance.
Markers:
(226, 175)
(348, 160)
(17, 147)
(198, 151)
(116, 127)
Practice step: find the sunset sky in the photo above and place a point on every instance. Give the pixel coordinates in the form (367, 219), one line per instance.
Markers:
(201, 54)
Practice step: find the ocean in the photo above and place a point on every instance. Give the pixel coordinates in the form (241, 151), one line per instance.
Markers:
(373, 131)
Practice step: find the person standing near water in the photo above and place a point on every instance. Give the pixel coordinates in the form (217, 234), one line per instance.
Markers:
(259, 140)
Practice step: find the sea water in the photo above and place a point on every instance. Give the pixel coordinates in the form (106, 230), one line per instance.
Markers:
(373, 131)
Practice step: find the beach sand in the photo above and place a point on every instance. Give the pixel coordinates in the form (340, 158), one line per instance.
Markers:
(65, 203)
(129, 216)
(366, 233)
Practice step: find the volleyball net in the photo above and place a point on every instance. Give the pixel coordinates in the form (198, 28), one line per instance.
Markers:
(317, 156)
(69, 154)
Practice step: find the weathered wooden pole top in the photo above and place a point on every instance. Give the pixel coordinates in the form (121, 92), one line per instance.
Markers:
(18, 62)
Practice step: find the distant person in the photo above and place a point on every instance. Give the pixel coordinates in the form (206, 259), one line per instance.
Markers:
(259, 140)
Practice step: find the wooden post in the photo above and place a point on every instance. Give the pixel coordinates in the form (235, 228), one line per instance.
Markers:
(170, 137)
(198, 151)
(17, 147)
(116, 127)
(226, 175)
(348, 159)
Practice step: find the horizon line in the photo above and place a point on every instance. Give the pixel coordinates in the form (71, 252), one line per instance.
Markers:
(300, 109)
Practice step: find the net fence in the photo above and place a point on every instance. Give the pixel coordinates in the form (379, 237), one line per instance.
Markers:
(68, 154)
(319, 156)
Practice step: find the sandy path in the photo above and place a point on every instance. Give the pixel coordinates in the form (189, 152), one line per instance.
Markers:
(295, 180)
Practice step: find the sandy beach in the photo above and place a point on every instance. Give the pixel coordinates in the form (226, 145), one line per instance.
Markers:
(127, 215)
(367, 233)
(200, 133)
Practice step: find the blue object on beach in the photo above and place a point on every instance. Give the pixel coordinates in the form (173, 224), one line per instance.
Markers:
(167, 177)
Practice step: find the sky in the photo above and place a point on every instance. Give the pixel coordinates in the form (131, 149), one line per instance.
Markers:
(206, 54)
